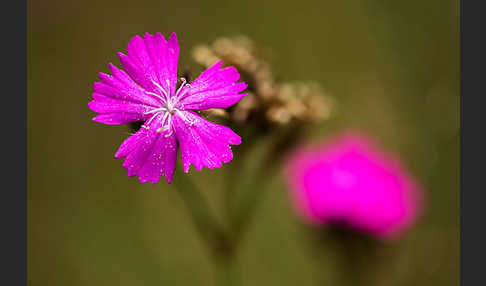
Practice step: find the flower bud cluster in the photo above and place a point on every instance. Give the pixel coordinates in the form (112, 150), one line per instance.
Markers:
(276, 103)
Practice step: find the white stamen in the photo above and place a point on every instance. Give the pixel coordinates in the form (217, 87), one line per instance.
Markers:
(167, 114)
(166, 125)
(184, 92)
(168, 134)
(181, 94)
(156, 110)
(156, 95)
(170, 105)
(146, 125)
(182, 85)
(168, 84)
(161, 89)
(161, 129)
(169, 122)
(185, 118)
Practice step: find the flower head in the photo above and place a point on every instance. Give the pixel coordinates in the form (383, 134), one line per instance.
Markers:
(148, 91)
(349, 181)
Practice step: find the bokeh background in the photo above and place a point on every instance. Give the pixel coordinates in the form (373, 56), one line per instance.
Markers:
(391, 66)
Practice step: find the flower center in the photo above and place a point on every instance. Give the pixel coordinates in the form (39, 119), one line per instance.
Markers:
(169, 106)
(170, 101)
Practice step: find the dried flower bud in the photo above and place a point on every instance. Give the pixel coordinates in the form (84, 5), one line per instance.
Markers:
(269, 102)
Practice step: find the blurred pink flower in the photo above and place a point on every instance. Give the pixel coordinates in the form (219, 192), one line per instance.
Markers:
(349, 181)
(147, 91)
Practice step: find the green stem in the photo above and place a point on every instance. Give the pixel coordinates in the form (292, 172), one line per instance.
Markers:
(357, 253)
(214, 237)
(229, 191)
(222, 244)
(249, 203)
(211, 233)
(226, 271)
(285, 140)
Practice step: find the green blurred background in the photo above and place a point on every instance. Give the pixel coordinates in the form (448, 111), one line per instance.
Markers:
(391, 66)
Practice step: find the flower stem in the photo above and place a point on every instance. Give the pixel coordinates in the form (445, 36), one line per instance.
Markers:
(229, 191)
(222, 243)
(282, 142)
(226, 271)
(355, 254)
(210, 231)
(248, 205)
(215, 238)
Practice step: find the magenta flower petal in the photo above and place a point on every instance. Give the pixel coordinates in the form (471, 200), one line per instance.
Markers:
(215, 88)
(118, 118)
(152, 59)
(150, 153)
(162, 159)
(349, 180)
(203, 143)
(148, 92)
(131, 143)
(121, 86)
(142, 148)
(104, 104)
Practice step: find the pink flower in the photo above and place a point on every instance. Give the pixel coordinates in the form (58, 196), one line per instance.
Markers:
(349, 181)
(147, 91)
